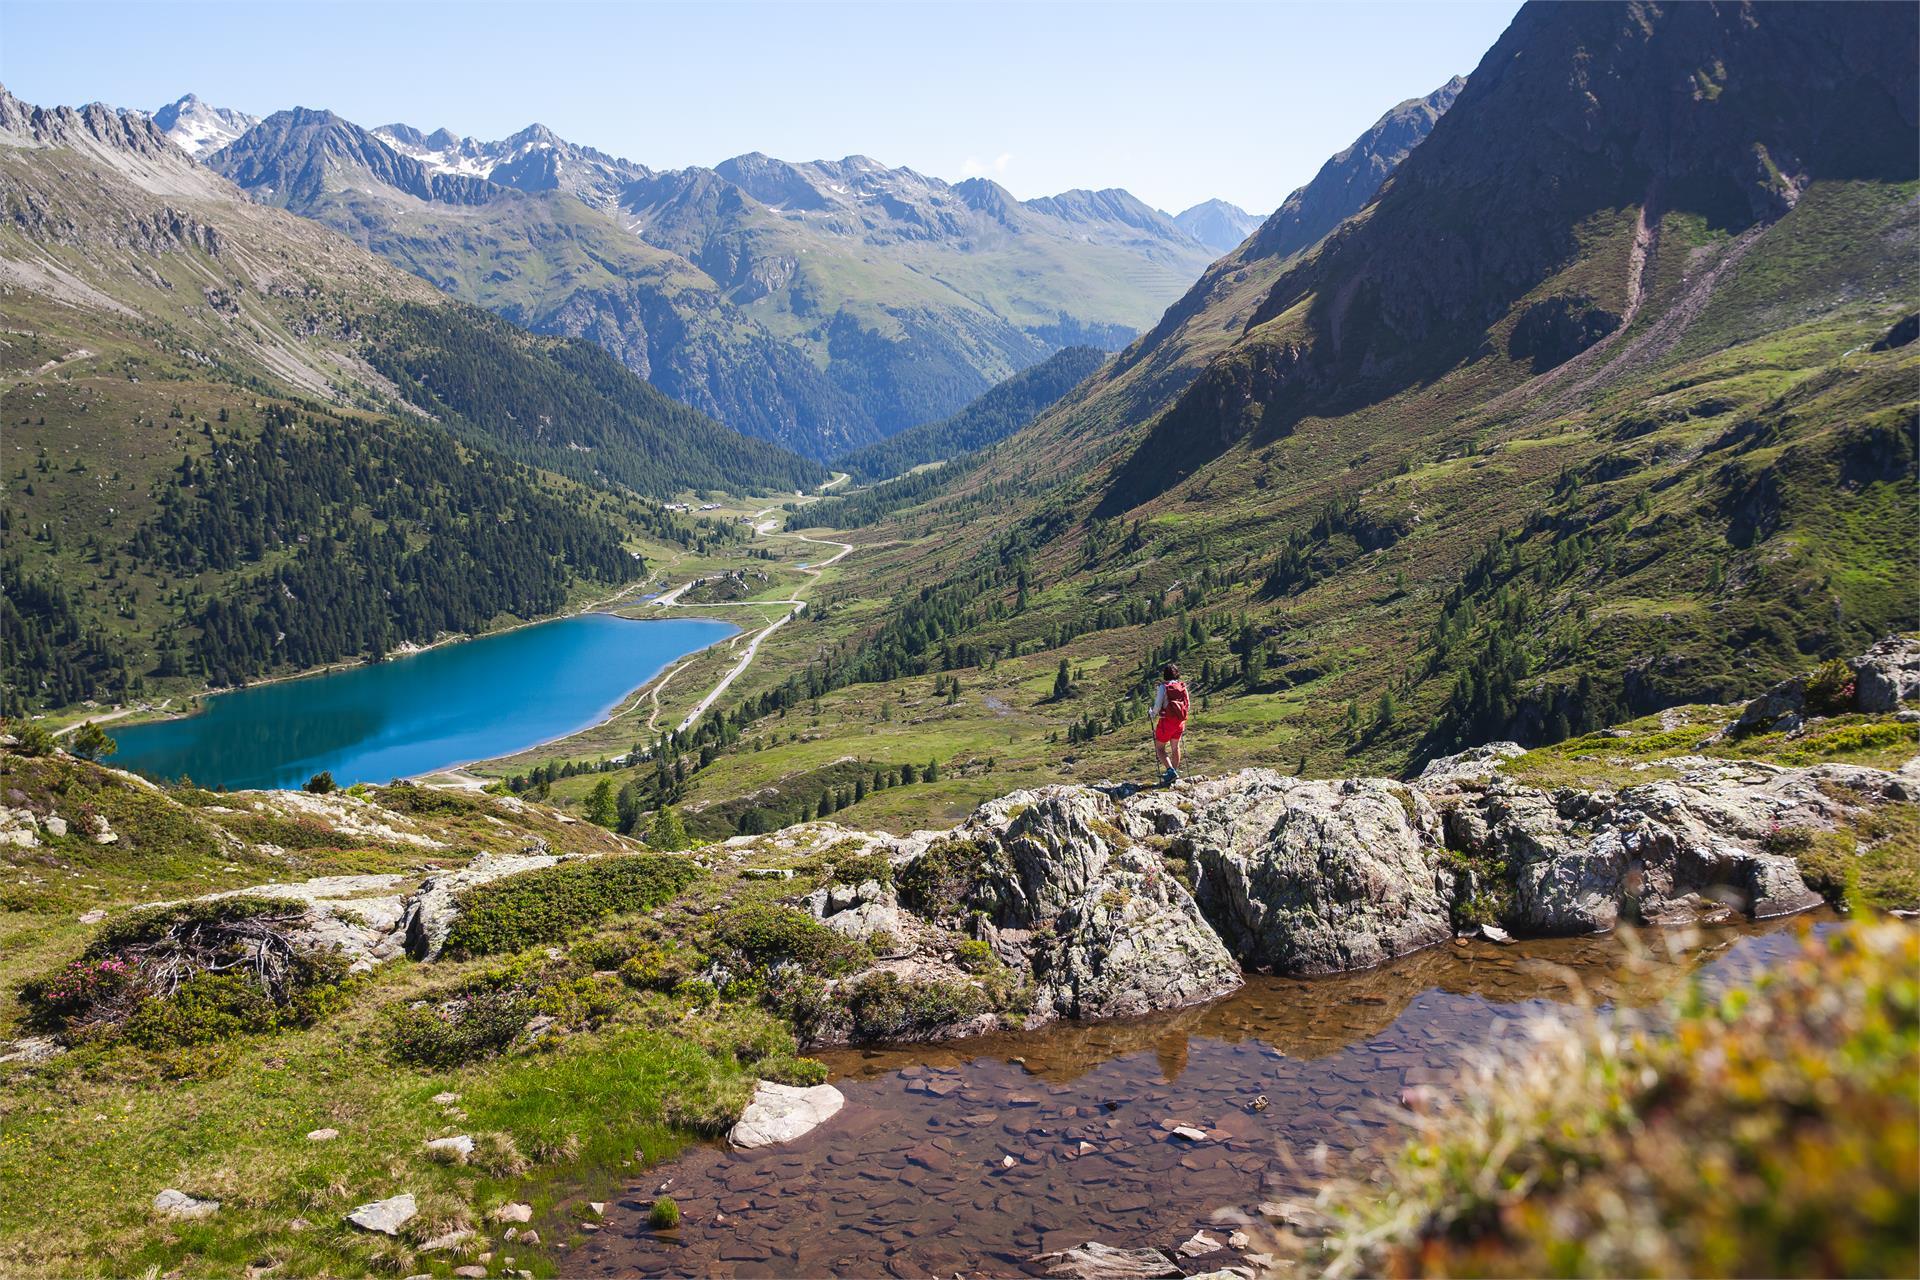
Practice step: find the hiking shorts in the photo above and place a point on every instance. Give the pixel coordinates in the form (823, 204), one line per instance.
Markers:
(1167, 729)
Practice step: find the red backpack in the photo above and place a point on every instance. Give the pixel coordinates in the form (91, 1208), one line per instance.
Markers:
(1177, 703)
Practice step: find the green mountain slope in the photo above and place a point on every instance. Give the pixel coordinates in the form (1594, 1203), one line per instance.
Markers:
(212, 471)
(1605, 404)
(823, 305)
(993, 417)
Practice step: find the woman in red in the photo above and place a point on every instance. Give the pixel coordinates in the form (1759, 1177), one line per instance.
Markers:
(1170, 706)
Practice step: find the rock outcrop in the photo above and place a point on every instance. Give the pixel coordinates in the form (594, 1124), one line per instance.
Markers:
(1310, 877)
(1887, 676)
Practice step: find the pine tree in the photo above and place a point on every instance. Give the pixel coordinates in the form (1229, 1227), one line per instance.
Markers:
(666, 832)
(92, 742)
(602, 811)
(1062, 682)
(321, 783)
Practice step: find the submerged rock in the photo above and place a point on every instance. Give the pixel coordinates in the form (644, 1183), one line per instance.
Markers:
(1096, 1261)
(782, 1112)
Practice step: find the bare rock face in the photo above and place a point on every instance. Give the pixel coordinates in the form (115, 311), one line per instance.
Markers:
(1312, 877)
(1668, 852)
(1105, 928)
(1887, 675)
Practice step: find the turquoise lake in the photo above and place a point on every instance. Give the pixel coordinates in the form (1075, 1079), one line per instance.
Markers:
(458, 703)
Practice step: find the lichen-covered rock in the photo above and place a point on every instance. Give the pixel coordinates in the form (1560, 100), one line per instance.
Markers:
(1104, 927)
(1312, 877)
(1887, 675)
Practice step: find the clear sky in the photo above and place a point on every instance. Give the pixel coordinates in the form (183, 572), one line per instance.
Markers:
(1176, 102)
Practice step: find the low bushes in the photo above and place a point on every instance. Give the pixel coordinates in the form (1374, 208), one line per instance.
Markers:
(765, 933)
(465, 1028)
(191, 974)
(884, 1007)
(543, 906)
(941, 881)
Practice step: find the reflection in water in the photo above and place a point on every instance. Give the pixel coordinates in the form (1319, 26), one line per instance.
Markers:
(972, 1157)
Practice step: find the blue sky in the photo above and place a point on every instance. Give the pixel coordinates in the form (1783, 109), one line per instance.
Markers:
(1176, 102)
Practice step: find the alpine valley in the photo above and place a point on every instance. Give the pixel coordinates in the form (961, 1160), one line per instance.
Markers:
(1530, 501)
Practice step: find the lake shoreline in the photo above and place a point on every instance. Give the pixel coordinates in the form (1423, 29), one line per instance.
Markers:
(388, 720)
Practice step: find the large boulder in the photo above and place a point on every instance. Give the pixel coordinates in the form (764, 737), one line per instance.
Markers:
(1308, 877)
(1105, 928)
(782, 1112)
(1887, 675)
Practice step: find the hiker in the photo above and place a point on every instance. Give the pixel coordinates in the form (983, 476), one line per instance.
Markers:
(1170, 704)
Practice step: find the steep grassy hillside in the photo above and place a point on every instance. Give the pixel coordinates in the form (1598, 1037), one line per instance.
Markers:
(993, 417)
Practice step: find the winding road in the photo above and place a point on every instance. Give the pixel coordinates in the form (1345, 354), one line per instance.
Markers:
(671, 600)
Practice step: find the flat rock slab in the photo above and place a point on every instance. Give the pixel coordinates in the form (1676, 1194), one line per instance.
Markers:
(783, 1112)
(385, 1216)
(178, 1204)
(1096, 1261)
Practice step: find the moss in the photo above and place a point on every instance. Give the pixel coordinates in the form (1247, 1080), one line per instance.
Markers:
(664, 1215)
(546, 905)
(973, 955)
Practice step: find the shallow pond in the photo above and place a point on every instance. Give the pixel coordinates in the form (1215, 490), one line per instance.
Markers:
(450, 705)
(972, 1157)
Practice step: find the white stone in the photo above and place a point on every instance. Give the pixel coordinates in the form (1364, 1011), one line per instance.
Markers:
(513, 1213)
(460, 1146)
(178, 1204)
(386, 1216)
(1198, 1245)
(322, 1135)
(783, 1112)
(1096, 1261)
(1190, 1133)
(55, 825)
(446, 1099)
(94, 916)
(451, 1239)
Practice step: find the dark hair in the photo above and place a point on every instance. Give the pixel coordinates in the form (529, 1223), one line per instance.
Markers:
(1170, 672)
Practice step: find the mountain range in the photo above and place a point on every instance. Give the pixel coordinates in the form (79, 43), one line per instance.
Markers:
(824, 305)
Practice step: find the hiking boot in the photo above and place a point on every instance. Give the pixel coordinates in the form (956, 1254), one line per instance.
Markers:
(1170, 777)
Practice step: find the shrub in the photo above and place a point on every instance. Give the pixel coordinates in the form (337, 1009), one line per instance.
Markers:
(941, 881)
(207, 1009)
(665, 1214)
(765, 933)
(883, 1007)
(659, 966)
(1830, 689)
(460, 1030)
(973, 955)
(666, 832)
(91, 742)
(192, 973)
(321, 783)
(802, 999)
(533, 907)
(856, 869)
(31, 738)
